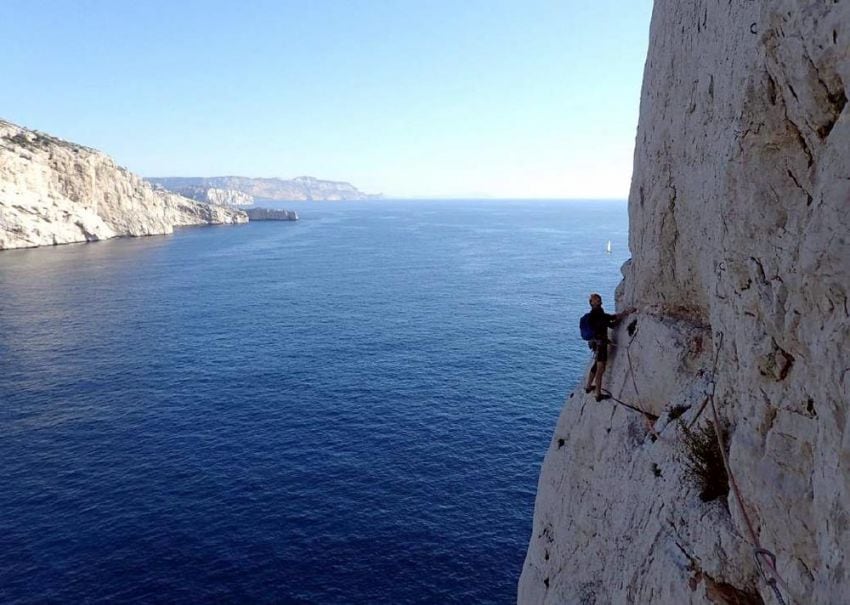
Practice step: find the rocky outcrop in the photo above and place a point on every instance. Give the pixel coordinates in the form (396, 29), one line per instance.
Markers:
(56, 192)
(740, 240)
(212, 195)
(297, 189)
(271, 214)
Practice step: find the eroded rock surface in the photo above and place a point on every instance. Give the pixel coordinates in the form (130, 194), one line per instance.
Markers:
(740, 237)
(56, 192)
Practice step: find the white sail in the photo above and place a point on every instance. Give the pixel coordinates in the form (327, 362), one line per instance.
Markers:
(608, 248)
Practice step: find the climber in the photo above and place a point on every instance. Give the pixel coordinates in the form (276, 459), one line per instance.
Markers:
(597, 323)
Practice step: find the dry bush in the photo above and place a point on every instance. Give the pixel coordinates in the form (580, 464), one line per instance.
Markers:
(704, 462)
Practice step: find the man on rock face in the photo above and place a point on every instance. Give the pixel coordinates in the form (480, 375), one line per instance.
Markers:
(600, 321)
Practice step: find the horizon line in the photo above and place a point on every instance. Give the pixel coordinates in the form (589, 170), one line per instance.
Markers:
(477, 198)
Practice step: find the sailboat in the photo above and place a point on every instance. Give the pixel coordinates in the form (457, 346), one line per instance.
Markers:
(608, 247)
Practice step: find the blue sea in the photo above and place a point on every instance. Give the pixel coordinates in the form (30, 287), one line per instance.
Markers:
(351, 408)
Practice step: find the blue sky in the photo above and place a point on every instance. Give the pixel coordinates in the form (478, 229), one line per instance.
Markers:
(520, 98)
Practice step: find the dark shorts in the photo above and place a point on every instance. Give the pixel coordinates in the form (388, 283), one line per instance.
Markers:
(600, 349)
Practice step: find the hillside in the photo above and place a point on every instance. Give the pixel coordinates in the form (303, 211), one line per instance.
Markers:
(56, 192)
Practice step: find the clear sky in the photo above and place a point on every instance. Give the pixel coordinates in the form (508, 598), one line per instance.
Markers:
(519, 98)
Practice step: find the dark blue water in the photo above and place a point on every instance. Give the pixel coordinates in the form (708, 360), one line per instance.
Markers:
(352, 408)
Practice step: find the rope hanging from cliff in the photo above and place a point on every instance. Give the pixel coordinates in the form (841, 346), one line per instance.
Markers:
(763, 557)
(709, 397)
(629, 359)
(649, 417)
(629, 405)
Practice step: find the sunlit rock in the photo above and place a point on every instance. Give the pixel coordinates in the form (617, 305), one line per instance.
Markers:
(740, 237)
(56, 192)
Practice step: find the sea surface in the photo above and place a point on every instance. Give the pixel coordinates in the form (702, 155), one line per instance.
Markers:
(351, 408)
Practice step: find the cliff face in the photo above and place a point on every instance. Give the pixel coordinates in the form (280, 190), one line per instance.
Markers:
(56, 192)
(212, 195)
(740, 237)
(297, 189)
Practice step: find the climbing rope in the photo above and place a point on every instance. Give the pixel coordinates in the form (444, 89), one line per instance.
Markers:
(710, 396)
(650, 417)
(629, 405)
(629, 359)
(761, 555)
(700, 411)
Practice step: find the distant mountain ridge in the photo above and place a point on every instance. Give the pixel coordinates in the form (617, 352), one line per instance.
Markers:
(297, 189)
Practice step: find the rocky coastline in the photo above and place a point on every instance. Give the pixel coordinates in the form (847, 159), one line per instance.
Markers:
(212, 195)
(57, 192)
(302, 188)
(271, 214)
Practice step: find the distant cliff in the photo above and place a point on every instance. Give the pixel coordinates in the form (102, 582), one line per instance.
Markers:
(56, 192)
(211, 195)
(297, 189)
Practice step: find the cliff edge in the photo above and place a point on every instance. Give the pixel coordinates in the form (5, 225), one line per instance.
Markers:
(56, 192)
(740, 237)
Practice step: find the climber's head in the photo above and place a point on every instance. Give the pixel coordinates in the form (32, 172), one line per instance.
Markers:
(595, 300)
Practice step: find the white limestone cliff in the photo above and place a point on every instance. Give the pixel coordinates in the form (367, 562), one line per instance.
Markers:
(740, 238)
(56, 192)
(211, 195)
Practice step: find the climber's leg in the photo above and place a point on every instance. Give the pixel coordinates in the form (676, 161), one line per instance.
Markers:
(590, 378)
(601, 362)
(600, 370)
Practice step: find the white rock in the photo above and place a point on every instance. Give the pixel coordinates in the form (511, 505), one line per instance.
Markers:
(210, 195)
(56, 192)
(739, 225)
